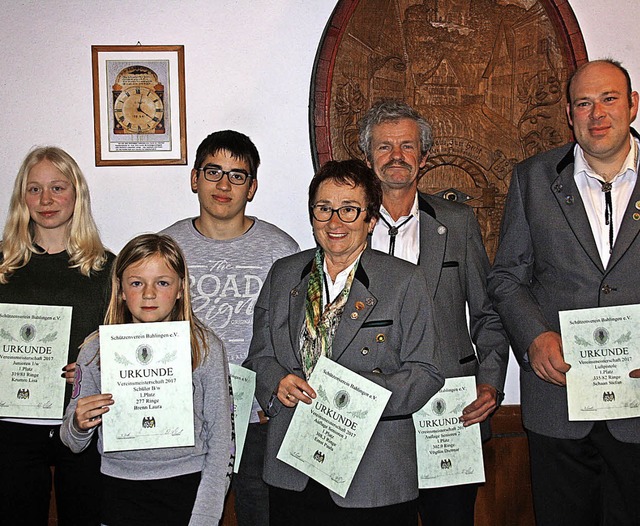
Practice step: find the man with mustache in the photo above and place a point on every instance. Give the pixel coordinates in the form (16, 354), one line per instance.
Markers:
(569, 240)
(444, 239)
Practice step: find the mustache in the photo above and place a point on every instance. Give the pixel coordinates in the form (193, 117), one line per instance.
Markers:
(397, 164)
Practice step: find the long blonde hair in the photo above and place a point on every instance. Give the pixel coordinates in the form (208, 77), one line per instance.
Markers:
(143, 247)
(86, 251)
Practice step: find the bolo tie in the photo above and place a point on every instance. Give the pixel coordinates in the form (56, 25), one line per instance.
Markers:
(393, 232)
(608, 205)
(608, 211)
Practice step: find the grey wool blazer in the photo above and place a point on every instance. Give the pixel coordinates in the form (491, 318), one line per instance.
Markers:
(397, 306)
(547, 262)
(455, 266)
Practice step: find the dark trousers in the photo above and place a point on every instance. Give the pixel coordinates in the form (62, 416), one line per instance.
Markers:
(314, 507)
(451, 506)
(251, 492)
(26, 454)
(593, 481)
(155, 502)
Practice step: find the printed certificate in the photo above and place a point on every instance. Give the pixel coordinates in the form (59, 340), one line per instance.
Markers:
(327, 438)
(602, 346)
(35, 347)
(448, 453)
(147, 369)
(243, 385)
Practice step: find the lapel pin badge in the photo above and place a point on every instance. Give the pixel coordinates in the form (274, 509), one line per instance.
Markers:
(569, 199)
(636, 216)
(369, 301)
(354, 315)
(359, 305)
(442, 230)
(380, 338)
(637, 205)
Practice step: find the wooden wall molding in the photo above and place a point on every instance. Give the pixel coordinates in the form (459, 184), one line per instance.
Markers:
(490, 77)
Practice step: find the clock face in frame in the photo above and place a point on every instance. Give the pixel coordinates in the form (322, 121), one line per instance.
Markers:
(138, 109)
(138, 102)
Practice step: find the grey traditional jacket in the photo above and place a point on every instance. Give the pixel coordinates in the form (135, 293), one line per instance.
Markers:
(548, 262)
(391, 341)
(455, 265)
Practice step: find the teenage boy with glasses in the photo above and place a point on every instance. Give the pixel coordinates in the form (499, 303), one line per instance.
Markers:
(229, 255)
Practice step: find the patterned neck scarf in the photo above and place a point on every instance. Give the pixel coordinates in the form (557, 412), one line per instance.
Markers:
(320, 326)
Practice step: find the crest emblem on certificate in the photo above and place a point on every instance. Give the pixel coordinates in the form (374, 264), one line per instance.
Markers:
(438, 406)
(341, 400)
(28, 332)
(148, 421)
(144, 353)
(318, 456)
(601, 335)
(23, 394)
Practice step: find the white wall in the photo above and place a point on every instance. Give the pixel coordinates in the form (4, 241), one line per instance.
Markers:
(248, 67)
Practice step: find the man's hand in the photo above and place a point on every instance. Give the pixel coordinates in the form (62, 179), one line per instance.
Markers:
(480, 409)
(547, 361)
(635, 373)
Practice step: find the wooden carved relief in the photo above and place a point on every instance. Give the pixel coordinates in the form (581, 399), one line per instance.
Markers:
(489, 75)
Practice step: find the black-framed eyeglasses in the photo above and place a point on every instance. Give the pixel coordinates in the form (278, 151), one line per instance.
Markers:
(347, 214)
(215, 173)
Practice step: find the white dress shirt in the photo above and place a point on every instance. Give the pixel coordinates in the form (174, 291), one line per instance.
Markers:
(335, 287)
(407, 245)
(590, 188)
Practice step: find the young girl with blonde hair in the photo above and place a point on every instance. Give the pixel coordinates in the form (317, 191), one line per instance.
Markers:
(169, 486)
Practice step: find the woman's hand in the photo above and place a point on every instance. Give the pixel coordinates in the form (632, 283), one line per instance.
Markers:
(90, 409)
(69, 372)
(293, 389)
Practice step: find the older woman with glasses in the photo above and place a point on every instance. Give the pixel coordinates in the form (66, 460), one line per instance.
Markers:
(370, 313)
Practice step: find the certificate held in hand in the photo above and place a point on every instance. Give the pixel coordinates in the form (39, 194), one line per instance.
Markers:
(147, 369)
(602, 345)
(326, 439)
(243, 385)
(34, 347)
(448, 453)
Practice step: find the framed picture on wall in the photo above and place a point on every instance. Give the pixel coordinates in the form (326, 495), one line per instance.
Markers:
(139, 105)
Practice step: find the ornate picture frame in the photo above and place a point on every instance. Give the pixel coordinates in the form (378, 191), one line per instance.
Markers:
(139, 105)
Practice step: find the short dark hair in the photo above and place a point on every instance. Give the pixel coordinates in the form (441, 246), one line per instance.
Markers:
(237, 144)
(615, 63)
(392, 110)
(352, 172)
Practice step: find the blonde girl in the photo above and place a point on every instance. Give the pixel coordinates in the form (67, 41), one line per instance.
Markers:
(51, 254)
(169, 486)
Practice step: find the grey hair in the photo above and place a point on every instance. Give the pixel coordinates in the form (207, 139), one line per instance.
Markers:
(392, 110)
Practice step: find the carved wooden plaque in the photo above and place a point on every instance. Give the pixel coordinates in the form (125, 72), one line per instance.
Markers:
(489, 75)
